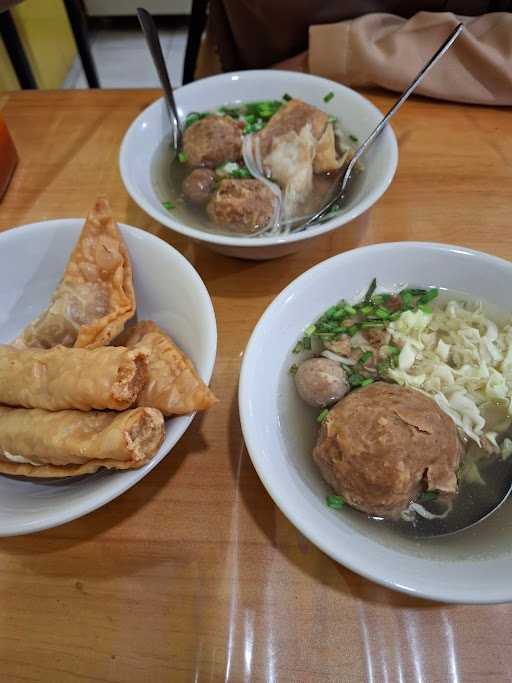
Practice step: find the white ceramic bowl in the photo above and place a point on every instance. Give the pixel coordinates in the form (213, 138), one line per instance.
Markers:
(356, 113)
(168, 291)
(280, 430)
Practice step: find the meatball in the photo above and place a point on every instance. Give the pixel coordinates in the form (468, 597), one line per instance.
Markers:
(321, 382)
(197, 187)
(241, 206)
(212, 140)
(381, 443)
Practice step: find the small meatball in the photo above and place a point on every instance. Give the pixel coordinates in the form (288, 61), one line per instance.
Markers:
(197, 187)
(212, 141)
(241, 206)
(321, 382)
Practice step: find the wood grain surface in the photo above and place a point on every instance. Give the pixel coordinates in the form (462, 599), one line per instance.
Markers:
(193, 574)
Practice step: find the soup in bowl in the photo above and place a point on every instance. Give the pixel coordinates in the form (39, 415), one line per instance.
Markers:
(262, 150)
(425, 438)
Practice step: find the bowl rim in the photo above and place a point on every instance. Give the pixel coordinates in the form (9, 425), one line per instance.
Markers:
(94, 500)
(227, 240)
(285, 504)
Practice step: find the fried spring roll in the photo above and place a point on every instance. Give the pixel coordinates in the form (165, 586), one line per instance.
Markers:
(62, 378)
(39, 443)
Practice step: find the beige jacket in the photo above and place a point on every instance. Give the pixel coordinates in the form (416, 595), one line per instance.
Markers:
(387, 50)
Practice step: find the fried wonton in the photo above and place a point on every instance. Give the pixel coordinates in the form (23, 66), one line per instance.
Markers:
(40, 443)
(95, 296)
(292, 117)
(173, 385)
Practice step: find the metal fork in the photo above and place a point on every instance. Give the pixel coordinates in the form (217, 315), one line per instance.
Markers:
(344, 180)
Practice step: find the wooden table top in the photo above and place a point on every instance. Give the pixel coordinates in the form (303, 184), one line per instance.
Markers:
(193, 574)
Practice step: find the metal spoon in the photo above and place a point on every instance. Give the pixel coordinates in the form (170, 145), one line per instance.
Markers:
(474, 504)
(153, 42)
(342, 183)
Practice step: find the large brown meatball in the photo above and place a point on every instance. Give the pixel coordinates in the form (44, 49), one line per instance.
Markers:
(197, 187)
(380, 443)
(212, 141)
(242, 206)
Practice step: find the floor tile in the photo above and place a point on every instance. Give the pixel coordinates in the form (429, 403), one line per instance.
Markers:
(123, 61)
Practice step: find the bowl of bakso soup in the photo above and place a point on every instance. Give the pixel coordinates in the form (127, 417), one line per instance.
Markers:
(376, 405)
(262, 151)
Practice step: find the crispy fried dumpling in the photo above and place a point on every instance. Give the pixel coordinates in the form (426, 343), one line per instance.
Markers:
(173, 385)
(95, 296)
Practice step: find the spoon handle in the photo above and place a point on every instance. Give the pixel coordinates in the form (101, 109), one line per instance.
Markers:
(410, 89)
(153, 43)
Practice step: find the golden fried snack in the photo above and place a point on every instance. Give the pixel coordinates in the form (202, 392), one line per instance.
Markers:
(39, 443)
(82, 379)
(173, 385)
(95, 297)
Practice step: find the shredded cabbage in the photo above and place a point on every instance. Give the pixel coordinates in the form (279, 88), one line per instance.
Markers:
(458, 356)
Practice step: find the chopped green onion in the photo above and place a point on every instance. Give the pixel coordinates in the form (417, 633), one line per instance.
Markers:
(383, 367)
(182, 157)
(234, 112)
(367, 382)
(299, 346)
(407, 298)
(168, 205)
(366, 357)
(193, 117)
(340, 313)
(352, 330)
(241, 173)
(393, 350)
(335, 502)
(350, 310)
(413, 292)
(306, 343)
(309, 330)
(429, 296)
(366, 310)
(382, 313)
(321, 416)
(353, 138)
(373, 323)
(425, 308)
(332, 119)
(287, 97)
(355, 379)
(293, 369)
(371, 290)
(426, 496)
(329, 96)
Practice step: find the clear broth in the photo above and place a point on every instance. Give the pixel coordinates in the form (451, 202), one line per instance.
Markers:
(491, 538)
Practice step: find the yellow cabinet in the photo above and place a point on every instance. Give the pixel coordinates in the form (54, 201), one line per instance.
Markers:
(44, 30)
